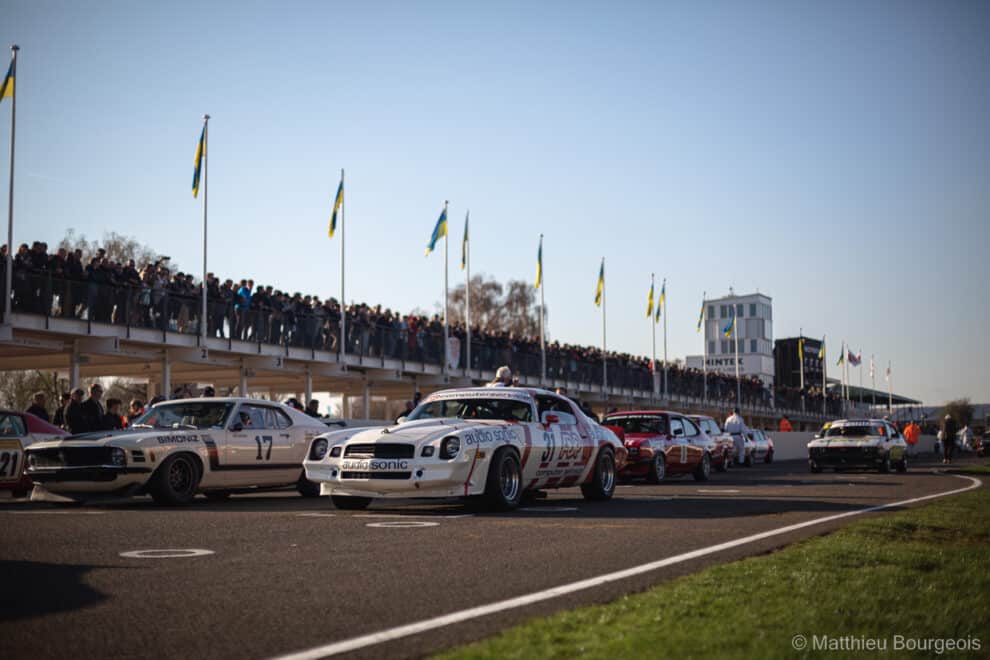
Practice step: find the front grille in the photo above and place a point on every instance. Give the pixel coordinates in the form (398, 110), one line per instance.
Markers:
(69, 457)
(375, 475)
(380, 450)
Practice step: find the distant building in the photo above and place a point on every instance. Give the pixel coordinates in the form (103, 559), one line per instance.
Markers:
(754, 327)
(787, 364)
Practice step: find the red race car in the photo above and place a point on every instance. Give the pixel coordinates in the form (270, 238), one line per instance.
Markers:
(17, 431)
(662, 443)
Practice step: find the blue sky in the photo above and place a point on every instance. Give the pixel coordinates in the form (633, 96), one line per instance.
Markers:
(835, 156)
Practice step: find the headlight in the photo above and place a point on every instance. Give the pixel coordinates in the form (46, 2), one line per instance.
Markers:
(449, 447)
(118, 456)
(318, 449)
(335, 452)
(427, 451)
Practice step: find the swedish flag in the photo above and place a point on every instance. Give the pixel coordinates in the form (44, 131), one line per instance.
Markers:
(464, 241)
(731, 325)
(338, 202)
(539, 265)
(701, 316)
(7, 89)
(649, 302)
(600, 289)
(821, 351)
(661, 301)
(200, 151)
(842, 356)
(438, 232)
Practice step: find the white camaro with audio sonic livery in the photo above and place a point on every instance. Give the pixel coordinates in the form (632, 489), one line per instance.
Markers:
(495, 443)
(214, 446)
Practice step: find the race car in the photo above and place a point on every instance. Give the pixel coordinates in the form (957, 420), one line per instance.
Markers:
(859, 443)
(214, 446)
(722, 456)
(662, 443)
(17, 431)
(491, 443)
(762, 446)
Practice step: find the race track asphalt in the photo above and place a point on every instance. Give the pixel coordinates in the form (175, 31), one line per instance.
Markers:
(288, 573)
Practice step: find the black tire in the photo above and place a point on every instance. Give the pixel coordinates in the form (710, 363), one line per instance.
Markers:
(885, 466)
(725, 463)
(602, 485)
(902, 465)
(307, 488)
(769, 457)
(658, 469)
(176, 480)
(704, 470)
(217, 495)
(503, 485)
(814, 467)
(349, 503)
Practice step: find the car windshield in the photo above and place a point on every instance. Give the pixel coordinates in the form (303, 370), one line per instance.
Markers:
(853, 431)
(193, 415)
(512, 410)
(639, 423)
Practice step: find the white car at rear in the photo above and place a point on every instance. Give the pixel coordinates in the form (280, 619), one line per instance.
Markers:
(494, 443)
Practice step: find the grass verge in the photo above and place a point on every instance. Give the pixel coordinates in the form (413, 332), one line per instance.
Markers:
(920, 573)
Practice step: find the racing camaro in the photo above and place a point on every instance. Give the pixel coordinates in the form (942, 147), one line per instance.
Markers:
(494, 443)
(859, 443)
(177, 449)
(662, 443)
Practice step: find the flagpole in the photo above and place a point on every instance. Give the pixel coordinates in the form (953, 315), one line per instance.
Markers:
(824, 380)
(343, 301)
(842, 377)
(801, 360)
(704, 339)
(446, 236)
(653, 328)
(467, 292)
(206, 190)
(666, 389)
(604, 354)
(735, 331)
(10, 196)
(873, 379)
(890, 389)
(543, 332)
(860, 367)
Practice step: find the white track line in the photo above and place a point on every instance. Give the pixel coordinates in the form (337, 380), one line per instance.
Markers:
(399, 632)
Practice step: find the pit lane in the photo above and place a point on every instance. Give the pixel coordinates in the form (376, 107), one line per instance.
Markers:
(281, 581)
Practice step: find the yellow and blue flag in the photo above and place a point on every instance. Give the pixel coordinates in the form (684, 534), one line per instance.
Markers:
(649, 302)
(464, 241)
(842, 356)
(200, 151)
(821, 351)
(539, 265)
(662, 301)
(7, 89)
(338, 202)
(600, 289)
(731, 325)
(701, 315)
(801, 349)
(438, 232)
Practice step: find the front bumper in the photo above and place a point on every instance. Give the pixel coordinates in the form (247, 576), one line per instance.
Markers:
(846, 457)
(393, 478)
(89, 478)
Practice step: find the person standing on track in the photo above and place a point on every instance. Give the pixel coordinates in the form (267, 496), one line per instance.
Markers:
(949, 430)
(736, 427)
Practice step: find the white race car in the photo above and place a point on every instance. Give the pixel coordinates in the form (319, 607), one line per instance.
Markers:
(493, 442)
(214, 446)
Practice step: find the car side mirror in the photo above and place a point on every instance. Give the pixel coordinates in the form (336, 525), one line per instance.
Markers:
(400, 419)
(237, 427)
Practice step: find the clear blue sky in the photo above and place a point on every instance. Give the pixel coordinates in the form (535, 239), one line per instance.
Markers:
(834, 155)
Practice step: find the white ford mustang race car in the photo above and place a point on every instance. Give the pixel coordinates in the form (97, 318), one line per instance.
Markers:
(492, 442)
(179, 448)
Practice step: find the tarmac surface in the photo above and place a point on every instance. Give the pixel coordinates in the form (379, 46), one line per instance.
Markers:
(286, 574)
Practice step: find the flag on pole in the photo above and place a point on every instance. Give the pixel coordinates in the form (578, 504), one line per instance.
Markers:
(601, 285)
(731, 325)
(701, 316)
(649, 302)
(539, 265)
(338, 201)
(821, 351)
(200, 151)
(801, 349)
(439, 231)
(853, 359)
(661, 301)
(872, 367)
(888, 372)
(464, 241)
(842, 358)
(7, 89)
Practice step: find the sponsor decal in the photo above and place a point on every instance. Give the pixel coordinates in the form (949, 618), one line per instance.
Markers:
(488, 393)
(178, 439)
(375, 465)
(497, 436)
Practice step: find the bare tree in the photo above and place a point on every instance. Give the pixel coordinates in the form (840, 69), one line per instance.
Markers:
(497, 308)
(960, 410)
(117, 246)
